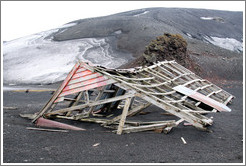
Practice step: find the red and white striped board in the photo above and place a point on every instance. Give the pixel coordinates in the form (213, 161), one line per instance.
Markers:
(82, 79)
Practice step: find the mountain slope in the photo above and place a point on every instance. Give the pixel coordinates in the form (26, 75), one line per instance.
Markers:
(118, 39)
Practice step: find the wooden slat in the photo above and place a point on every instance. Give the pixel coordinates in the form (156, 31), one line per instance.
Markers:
(82, 74)
(123, 116)
(134, 78)
(92, 104)
(170, 123)
(84, 83)
(84, 78)
(97, 98)
(87, 87)
(200, 97)
(76, 102)
(81, 69)
(131, 112)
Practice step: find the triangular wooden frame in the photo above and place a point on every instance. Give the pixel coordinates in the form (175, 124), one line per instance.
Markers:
(166, 84)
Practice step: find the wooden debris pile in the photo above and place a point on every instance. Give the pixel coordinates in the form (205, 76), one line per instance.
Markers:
(109, 96)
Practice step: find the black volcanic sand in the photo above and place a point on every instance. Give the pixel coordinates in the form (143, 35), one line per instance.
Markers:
(223, 145)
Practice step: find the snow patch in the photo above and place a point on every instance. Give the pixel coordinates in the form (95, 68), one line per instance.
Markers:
(189, 35)
(218, 19)
(206, 18)
(68, 25)
(137, 15)
(35, 59)
(226, 43)
(118, 32)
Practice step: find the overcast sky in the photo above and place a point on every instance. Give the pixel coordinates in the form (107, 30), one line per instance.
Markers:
(23, 18)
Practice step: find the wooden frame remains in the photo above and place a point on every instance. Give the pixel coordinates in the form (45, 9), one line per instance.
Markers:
(109, 96)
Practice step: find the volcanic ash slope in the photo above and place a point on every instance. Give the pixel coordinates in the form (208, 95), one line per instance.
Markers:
(214, 42)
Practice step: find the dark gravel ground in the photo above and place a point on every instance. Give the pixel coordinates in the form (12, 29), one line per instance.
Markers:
(223, 145)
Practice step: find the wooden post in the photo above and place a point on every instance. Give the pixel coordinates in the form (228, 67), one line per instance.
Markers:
(97, 98)
(87, 97)
(131, 112)
(123, 115)
(113, 95)
(75, 103)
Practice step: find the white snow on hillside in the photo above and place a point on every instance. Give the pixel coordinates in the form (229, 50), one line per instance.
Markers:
(226, 43)
(206, 18)
(137, 15)
(35, 59)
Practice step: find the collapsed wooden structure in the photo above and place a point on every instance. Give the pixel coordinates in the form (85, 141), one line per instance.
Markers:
(97, 94)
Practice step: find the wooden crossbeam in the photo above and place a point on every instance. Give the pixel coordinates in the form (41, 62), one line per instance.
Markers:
(78, 107)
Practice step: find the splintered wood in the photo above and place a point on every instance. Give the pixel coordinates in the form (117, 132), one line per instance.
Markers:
(111, 96)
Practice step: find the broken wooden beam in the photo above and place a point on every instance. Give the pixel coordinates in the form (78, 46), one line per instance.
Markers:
(123, 115)
(42, 129)
(149, 127)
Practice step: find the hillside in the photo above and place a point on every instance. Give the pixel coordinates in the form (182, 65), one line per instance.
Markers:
(214, 42)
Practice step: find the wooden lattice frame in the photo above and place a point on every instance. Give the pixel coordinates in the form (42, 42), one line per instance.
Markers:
(166, 84)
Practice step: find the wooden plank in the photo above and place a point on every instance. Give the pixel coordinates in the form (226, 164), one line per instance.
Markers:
(81, 69)
(84, 78)
(108, 106)
(123, 116)
(82, 74)
(149, 127)
(51, 107)
(131, 112)
(74, 103)
(201, 88)
(85, 82)
(97, 98)
(228, 99)
(87, 97)
(134, 79)
(87, 87)
(91, 104)
(178, 68)
(217, 99)
(158, 73)
(174, 69)
(166, 71)
(200, 97)
(42, 129)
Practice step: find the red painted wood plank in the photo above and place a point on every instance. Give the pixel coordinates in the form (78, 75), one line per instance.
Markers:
(81, 74)
(59, 99)
(81, 69)
(84, 78)
(84, 83)
(87, 87)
